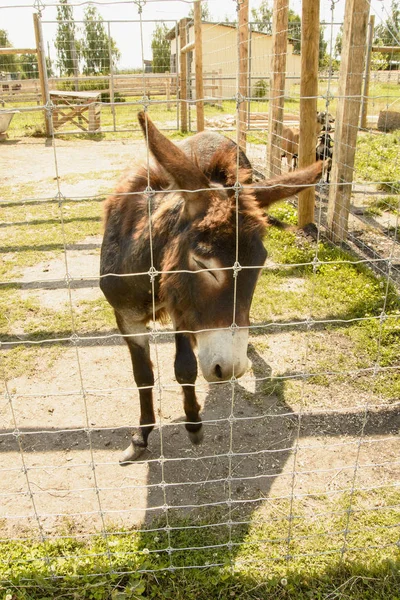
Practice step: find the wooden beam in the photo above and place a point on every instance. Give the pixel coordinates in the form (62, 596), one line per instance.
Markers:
(243, 32)
(44, 86)
(308, 102)
(394, 49)
(18, 51)
(188, 48)
(277, 91)
(367, 77)
(183, 76)
(199, 66)
(347, 114)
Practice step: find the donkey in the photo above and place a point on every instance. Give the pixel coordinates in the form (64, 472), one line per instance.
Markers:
(197, 258)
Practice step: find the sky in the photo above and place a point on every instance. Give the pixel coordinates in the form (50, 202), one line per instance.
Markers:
(16, 19)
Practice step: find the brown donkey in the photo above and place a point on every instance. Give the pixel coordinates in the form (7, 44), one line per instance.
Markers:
(197, 259)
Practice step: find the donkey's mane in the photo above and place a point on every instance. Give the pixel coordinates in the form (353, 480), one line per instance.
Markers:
(223, 169)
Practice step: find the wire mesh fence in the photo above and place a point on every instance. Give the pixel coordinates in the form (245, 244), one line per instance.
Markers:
(299, 467)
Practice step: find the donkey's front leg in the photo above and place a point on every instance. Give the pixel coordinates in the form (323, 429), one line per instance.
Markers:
(186, 374)
(144, 377)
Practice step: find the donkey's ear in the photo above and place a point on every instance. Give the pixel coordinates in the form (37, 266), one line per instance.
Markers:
(272, 190)
(188, 177)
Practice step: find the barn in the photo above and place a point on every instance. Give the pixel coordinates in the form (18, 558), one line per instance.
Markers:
(220, 57)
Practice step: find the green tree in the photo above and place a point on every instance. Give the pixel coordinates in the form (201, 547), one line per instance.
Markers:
(205, 13)
(65, 42)
(323, 56)
(339, 42)
(96, 45)
(29, 66)
(387, 34)
(161, 49)
(8, 62)
(262, 18)
(294, 30)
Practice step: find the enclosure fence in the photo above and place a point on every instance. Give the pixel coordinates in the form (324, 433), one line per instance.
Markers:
(300, 459)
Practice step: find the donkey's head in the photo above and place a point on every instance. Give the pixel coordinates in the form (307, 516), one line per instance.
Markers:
(212, 261)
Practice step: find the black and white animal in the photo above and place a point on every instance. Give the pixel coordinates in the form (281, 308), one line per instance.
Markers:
(291, 138)
(324, 150)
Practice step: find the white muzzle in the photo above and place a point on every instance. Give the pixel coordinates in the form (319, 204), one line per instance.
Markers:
(223, 353)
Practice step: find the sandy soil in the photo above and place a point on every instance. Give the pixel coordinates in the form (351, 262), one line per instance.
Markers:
(64, 424)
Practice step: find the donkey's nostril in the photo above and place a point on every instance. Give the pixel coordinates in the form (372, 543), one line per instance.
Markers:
(218, 371)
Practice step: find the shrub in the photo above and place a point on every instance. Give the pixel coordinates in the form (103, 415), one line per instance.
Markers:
(260, 89)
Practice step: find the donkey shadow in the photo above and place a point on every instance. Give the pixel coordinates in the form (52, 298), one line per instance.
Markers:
(242, 462)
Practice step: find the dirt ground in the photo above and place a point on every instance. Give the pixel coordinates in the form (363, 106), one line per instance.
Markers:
(65, 423)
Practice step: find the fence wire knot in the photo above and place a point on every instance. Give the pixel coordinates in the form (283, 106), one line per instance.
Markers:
(236, 268)
(39, 6)
(239, 99)
(146, 102)
(149, 192)
(74, 337)
(49, 106)
(60, 199)
(329, 96)
(152, 273)
(310, 322)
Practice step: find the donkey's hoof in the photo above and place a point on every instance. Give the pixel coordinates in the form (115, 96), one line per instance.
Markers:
(196, 437)
(131, 454)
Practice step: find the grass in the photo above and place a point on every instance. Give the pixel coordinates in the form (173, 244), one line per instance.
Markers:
(376, 159)
(377, 206)
(330, 556)
(31, 234)
(26, 123)
(347, 295)
(340, 546)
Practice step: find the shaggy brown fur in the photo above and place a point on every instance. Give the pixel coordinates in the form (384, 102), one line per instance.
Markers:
(200, 210)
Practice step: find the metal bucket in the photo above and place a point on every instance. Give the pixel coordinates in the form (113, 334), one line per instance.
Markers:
(5, 120)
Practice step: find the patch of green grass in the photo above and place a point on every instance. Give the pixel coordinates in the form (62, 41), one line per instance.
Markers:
(376, 157)
(386, 204)
(25, 360)
(337, 289)
(16, 192)
(71, 178)
(94, 316)
(22, 317)
(27, 317)
(253, 561)
(31, 234)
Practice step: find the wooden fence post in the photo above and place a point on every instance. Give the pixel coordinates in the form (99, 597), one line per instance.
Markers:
(168, 90)
(243, 32)
(347, 115)
(42, 68)
(198, 53)
(364, 106)
(308, 102)
(277, 91)
(183, 73)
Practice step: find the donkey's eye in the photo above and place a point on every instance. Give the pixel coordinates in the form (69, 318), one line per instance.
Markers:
(201, 265)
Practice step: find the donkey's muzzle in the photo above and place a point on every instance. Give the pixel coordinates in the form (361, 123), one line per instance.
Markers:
(223, 353)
